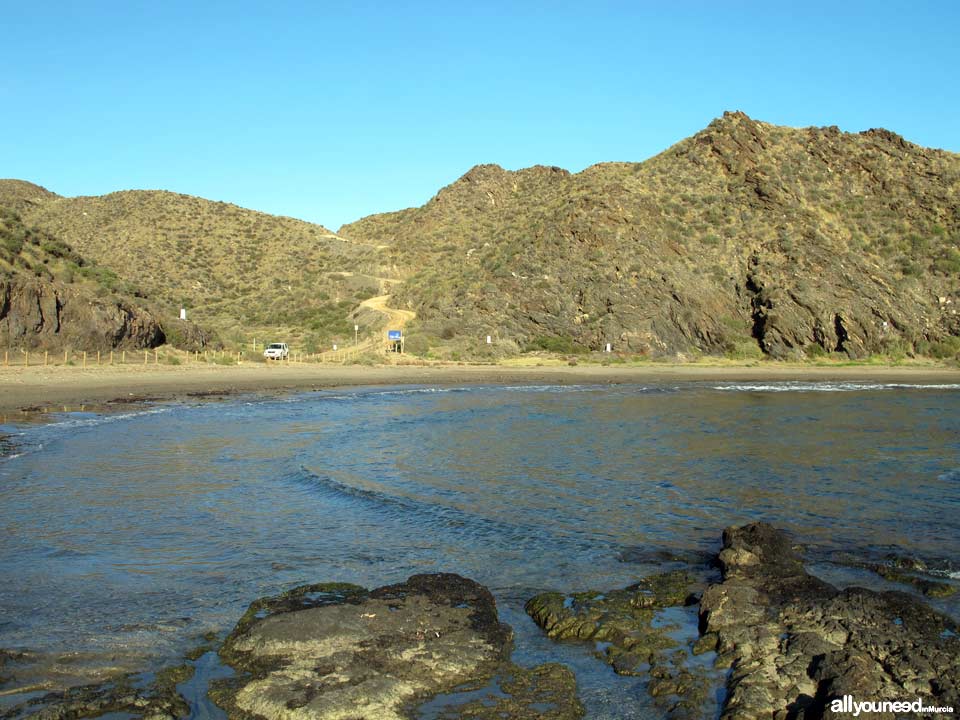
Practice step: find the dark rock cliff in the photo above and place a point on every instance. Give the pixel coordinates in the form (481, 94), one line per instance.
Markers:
(35, 314)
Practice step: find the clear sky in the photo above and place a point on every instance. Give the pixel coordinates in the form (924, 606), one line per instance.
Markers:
(332, 111)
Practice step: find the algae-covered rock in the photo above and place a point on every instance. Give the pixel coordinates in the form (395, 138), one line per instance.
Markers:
(917, 573)
(929, 588)
(633, 635)
(342, 652)
(622, 618)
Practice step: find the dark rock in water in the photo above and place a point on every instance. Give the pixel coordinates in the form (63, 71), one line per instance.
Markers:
(906, 562)
(547, 692)
(663, 556)
(128, 695)
(613, 616)
(905, 569)
(339, 651)
(796, 643)
(634, 642)
(930, 588)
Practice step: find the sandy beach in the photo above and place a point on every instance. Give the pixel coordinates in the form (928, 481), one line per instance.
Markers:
(34, 389)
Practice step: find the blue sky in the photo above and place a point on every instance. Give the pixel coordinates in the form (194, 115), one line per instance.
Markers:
(329, 112)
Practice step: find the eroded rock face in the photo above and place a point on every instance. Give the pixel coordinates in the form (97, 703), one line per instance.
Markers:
(795, 643)
(339, 651)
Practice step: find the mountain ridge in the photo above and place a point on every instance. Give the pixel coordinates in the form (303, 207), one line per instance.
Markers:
(742, 198)
(746, 239)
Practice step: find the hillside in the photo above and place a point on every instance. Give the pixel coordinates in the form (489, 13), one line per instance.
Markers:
(51, 297)
(746, 238)
(239, 272)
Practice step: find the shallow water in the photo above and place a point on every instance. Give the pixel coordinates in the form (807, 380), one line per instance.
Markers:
(135, 533)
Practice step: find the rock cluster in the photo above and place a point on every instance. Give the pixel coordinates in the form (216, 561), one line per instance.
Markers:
(788, 645)
(633, 642)
(795, 643)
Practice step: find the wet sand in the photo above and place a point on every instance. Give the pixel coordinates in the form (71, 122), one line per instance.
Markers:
(40, 388)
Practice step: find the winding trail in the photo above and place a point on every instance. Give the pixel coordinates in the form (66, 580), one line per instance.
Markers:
(396, 318)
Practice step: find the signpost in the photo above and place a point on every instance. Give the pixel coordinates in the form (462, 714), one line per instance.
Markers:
(395, 339)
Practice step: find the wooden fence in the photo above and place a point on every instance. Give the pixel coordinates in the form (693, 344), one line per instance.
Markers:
(84, 359)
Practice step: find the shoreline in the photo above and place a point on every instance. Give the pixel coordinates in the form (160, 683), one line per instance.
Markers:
(39, 389)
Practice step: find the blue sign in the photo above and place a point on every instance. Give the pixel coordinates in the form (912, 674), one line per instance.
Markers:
(394, 334)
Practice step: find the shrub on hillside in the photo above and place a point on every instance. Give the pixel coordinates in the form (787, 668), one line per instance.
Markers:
(561, 344)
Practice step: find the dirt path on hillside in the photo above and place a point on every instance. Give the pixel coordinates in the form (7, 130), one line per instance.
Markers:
(396, 318)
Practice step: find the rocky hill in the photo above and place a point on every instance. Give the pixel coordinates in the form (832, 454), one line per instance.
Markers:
(51, 297)
(242, 273)
(745, 239)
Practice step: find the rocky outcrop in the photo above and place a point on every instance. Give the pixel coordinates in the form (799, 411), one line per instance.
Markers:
(795, 643)
(340, 651)
(187, 335)
(38, 314)
(784, 644)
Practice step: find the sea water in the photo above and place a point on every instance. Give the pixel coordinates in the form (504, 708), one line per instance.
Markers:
(126, 537)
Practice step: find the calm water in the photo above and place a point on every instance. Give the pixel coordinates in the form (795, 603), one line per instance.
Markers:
(131, 535)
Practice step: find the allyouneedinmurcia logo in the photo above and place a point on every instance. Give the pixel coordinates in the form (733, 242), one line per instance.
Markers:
(847, 704)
